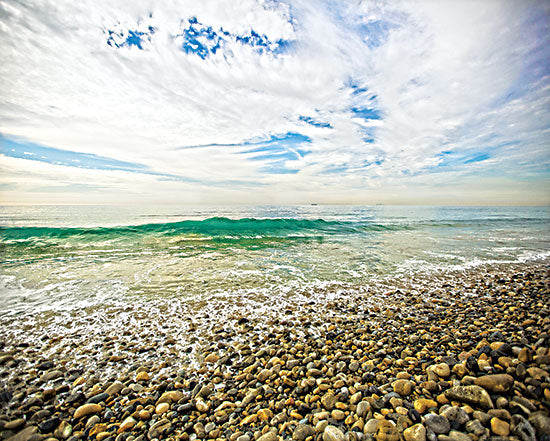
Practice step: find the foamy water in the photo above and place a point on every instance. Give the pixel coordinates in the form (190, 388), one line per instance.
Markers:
(213, 258)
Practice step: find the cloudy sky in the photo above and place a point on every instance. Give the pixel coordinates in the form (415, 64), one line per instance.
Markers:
(261, 101)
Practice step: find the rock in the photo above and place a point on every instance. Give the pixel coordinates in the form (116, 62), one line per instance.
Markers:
(204, 392)
(127, 424)
(437, 423)
(362, 408)
(162, 408)
(51, 375)
(498, 383)
(201, 405)
(522, 428)
(15, 424)
(143, 376)
(333, 433)
(211, 358)
(442, 370)
(269, 436)
(386, 432)
(87, 409)
(265, 414)
(456, 414)
(499, 427)
(455, 435)
(415, 433)
(24, 434)
(475, 427)
(157, 429)
(63, 431)
(249, 419)
(355, 398)
(49, 425)
(423, 404)
(114, 388)
(302, 431)
(170, 397)
(144, 415)
(475, 395)
(249, 397)
(92, 421)
(264, 375)
(403, 387)
(537, 373)
(98, 398)
(328, 401)
(541, 422)
(371, 426)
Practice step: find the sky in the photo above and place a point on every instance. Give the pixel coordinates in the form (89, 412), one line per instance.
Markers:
(275, 102)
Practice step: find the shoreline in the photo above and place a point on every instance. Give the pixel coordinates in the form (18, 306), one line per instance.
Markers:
(374, 365)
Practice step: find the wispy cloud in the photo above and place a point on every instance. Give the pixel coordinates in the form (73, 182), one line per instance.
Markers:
(292, 102)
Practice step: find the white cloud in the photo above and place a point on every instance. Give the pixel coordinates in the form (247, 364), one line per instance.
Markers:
(439, 74)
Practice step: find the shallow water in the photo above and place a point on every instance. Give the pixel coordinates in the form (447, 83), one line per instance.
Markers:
(67, 258)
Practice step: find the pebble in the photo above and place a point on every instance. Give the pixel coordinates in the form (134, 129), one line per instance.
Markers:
(333, 433)
(114, 388)
(127, 424)
(423, 404)
(415, 433)
(403, 387)
(362, 408)
(499, 427)
(498, 383)
(302, 431)
(442, 370)
(87, 409)
(437, 423)
(63, 431)
(371, 426)
(398, 366)
(24, 435)
(162, 408)
(143, 376)
(269, 436)
(14, 424)
(475, 395)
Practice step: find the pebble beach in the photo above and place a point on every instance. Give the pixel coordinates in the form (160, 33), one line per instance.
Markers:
(463, 356)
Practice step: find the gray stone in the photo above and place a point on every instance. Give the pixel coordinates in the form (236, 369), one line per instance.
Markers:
(437, 423)
(475, 427)
(456, 414)
(522, 428)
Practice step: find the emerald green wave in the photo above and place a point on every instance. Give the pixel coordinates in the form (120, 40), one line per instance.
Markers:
(212, 227)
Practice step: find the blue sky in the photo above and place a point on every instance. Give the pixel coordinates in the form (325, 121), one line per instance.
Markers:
(275, 102)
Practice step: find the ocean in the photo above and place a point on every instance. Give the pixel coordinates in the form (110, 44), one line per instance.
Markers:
(58, 259)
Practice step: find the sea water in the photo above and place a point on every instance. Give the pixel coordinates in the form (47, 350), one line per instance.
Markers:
(63, 258)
